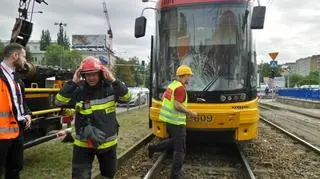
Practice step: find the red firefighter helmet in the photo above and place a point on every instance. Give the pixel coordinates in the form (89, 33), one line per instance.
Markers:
(90, 64)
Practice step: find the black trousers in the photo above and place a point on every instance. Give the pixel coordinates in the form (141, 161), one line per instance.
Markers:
(11, 156)
(83, 158)
(177, 142)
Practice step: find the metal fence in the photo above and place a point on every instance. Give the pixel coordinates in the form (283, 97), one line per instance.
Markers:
(305, 93)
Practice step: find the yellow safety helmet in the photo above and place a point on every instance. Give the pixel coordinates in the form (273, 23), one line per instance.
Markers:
(184, 70)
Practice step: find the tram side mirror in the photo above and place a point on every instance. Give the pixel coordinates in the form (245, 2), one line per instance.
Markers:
(140, 27)
(258, 15)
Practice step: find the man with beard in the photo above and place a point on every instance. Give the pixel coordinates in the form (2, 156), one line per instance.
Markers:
(14, 114)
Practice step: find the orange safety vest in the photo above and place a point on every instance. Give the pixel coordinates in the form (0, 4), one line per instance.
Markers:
(9, 128)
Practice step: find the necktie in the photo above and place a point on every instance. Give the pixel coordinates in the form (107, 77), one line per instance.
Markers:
(16, 78)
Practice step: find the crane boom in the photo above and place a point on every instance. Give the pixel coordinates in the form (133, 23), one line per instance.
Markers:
(109, 32)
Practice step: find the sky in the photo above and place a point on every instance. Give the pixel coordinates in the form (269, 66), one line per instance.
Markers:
(291, 26)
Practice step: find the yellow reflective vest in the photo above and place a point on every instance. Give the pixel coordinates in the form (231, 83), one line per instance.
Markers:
(168, 113)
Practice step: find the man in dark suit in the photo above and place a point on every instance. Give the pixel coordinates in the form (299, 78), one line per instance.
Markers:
(14, 113)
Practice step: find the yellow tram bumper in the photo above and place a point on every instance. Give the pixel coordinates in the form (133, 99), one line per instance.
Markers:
(241, 118)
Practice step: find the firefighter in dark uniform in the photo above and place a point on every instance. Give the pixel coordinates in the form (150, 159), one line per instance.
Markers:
(173, 112)
(96, 125)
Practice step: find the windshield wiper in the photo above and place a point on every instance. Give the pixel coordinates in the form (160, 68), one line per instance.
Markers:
(205, 89)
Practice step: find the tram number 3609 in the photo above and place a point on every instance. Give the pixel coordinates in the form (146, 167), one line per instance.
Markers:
(201, 118)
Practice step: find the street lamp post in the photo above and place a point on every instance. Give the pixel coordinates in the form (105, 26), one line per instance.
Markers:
(61, 25)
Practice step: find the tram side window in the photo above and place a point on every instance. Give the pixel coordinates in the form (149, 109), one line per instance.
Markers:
(254, 70)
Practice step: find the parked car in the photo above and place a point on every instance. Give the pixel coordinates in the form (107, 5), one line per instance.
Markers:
(139, 96)
(261, 91)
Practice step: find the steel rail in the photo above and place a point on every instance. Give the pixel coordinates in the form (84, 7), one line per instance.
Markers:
(314, 148)
(269, 107)
(129, 152)
(248, 170)
(155, 167)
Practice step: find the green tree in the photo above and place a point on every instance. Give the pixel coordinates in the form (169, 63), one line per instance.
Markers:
(295, 80)
(308, 81)
(311, 79)
(45, 39)
(66, 42)
(123, 71)
(54, 54)
(1, 49)
(62, 38)
(147, 75)
(265, 71)
(72, 58)
(57, 55)
(137, 71)
(314, 76)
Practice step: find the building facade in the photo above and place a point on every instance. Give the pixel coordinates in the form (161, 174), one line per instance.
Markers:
(37, 56)
(304, 66)
(291, 66)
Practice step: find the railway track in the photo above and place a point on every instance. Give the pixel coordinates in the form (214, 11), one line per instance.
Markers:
(129, 153)
(293, 136)
(277, 153)
(270, 107)
(300, 126)
(226, 161)
(271, 158)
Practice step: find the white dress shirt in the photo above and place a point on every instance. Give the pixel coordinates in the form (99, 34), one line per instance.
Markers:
(7, 71)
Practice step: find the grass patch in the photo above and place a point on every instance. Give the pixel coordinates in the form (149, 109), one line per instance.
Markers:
(53, 159)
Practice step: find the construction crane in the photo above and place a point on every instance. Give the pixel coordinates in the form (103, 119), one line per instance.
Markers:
(109, 32)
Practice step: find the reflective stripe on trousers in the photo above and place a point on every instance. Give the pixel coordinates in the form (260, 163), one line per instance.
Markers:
(105, 145)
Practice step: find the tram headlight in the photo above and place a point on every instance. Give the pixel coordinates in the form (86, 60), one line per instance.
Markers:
(243, 96)
(223, 98)
(233, 97)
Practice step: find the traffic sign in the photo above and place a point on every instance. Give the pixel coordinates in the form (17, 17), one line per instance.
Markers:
(273, 55)
(273, 64)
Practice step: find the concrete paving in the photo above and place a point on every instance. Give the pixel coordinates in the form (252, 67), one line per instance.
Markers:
(315, 113)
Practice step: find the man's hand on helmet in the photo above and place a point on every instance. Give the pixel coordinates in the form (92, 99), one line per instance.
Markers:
(77, 76)
(107, 74)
